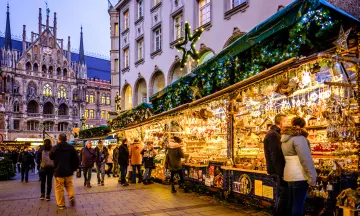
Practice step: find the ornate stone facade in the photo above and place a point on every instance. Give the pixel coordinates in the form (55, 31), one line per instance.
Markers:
(42, 87)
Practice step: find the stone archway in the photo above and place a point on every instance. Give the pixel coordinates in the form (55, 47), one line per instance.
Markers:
(157, 81)
(127, 97)
(140, 91)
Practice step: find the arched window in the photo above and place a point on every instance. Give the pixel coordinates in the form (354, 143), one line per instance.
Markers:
(32, 125)
(177, 73)
(49, 126)
(127, 95)
(87, 97)
(108, 99)
(58, 72)
(157, 82)
(205, 57)
(36, 68)
(47, 90)
(16, 89)
(92, 97)
(51, 70)
(28, 66)
(62, 92)
(140, 92)
(33, 107)
(44, 70)
(103, 99)
(65, 72)
(63, 110)
(48, 108)
(16, 106)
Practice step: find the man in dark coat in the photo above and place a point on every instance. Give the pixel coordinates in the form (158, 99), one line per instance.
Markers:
(275, 161)
(101, 155)
(26, 159)
(173, 161)
(87, 158)
(123, 161)
(66, 161)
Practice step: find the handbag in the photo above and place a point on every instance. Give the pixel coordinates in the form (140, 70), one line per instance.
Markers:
(78, 174)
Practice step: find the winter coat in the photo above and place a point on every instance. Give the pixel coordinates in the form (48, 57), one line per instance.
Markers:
(123, 158)
(275, 161)
(116, 155)
(134, 152)
(173, 157)
(26, 159)
(101, 156)
(299, 165)
(87, 157)
(148, 156)
(65, 158)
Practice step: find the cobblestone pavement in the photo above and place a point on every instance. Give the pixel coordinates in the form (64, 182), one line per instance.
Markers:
(18, 198)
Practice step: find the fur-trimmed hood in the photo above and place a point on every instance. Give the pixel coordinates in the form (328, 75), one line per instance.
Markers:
(292, 131)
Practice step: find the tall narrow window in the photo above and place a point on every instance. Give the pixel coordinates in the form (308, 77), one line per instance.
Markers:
(140, 50)
(92, 113)
(235, 3)
(62, 92)
(86, 113)
(204, 12)
(157, 39)
(126, 19)
(126, 58)
(116, 65)
(92, 97)
(47, 90)
(16, 106)
(103, 114)
(87, 97)
(178, 26)
(103, 99)
(156, 2)
(116, 26)
(108, 99)
(140, 9)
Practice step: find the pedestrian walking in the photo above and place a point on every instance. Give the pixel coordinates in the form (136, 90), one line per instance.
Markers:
(173, 161)
(136, 160)
(275, 161)
(110, 161)
(66, 161)
(26, 158)
(87, 158)
(46, 170)
(299, 170)
(116, 161)
(148, 154)
(123, 161)
(38, 156)
(101, 155)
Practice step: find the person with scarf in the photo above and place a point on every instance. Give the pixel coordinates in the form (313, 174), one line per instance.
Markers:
(101, 155)
(299, 171)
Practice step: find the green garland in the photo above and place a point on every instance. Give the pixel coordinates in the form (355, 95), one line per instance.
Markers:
(312, 29)
(133, 116)
(94, 132)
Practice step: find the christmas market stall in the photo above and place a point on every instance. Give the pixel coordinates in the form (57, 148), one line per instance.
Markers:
(302, 61)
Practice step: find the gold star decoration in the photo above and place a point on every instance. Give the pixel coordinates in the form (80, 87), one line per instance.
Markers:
(341, 42)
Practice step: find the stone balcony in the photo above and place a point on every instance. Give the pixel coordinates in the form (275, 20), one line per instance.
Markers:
(33, 114)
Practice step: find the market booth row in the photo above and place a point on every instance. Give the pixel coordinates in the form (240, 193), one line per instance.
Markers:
(224, 108)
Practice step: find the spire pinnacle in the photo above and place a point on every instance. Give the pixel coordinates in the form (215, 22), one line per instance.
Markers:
(8, 41)
(81, 50)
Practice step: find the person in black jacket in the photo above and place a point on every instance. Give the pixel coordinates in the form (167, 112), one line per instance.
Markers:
(66, 161)
(87, 158)
(101, 155)
(275, 161)
(123, 161)
(27, 160)
(148, 154)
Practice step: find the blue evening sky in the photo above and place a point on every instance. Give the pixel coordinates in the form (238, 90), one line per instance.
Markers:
(71, 14)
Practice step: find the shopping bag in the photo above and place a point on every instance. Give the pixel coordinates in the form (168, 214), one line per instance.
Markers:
(78, 173)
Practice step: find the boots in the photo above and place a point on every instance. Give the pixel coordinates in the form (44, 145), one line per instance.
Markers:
(173, 190)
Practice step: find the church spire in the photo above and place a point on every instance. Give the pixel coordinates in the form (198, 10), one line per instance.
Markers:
(81, 50)
(8, 42)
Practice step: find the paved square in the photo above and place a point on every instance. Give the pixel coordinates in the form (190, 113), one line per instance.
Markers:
(18, 198)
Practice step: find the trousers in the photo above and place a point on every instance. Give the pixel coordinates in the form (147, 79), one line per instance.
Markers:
(46, 177)
(60, 184)
(100, 171)
(87, 174)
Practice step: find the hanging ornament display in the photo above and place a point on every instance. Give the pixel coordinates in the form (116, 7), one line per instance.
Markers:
(187, 46)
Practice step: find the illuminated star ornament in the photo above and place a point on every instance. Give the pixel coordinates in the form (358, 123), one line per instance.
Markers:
(187, 46)
(341, 42)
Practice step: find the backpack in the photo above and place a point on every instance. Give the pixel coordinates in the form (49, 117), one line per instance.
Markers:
(45, 159)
